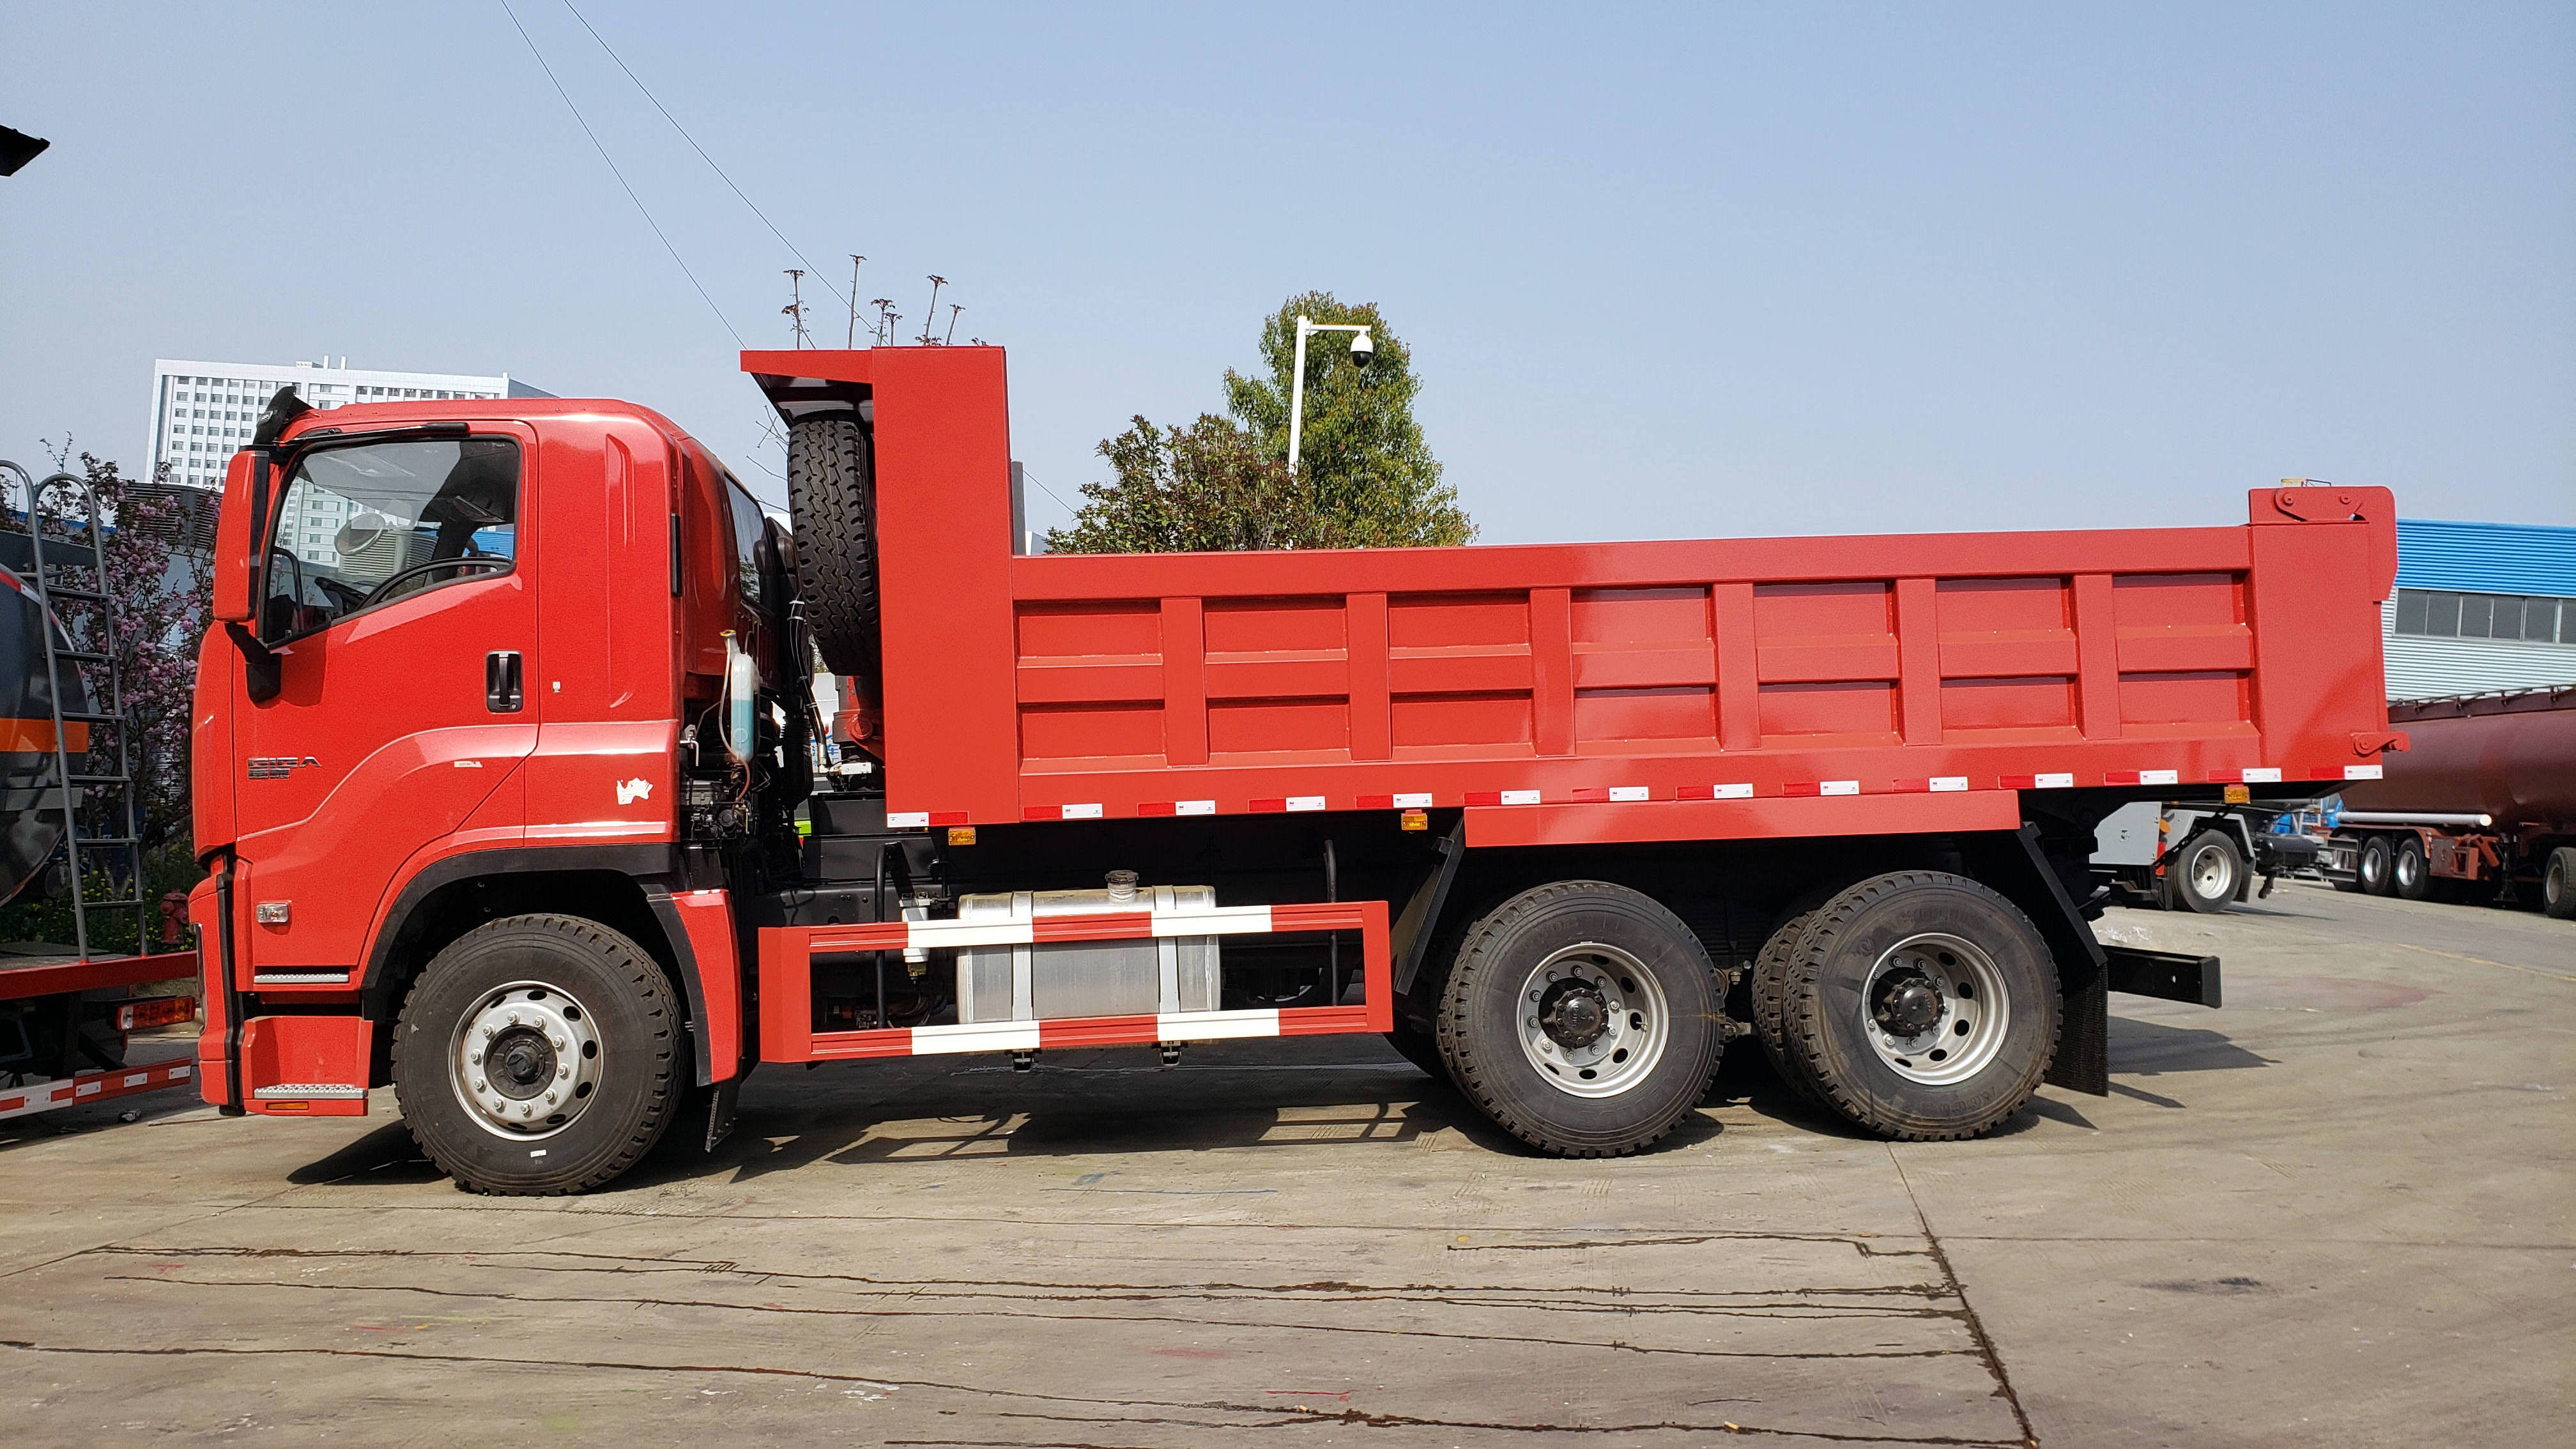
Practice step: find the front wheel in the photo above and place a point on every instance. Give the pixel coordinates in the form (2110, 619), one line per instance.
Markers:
(1583, 1018)
(1922, 1005)
(539, 1054)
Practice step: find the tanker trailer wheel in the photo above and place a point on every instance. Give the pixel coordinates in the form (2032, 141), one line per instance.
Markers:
(2207, 874)
(2373, 867)
(539, 1054)
(2411, 877)
(1924, 1006)
(1583, 1018)
(2558, 884)
(831, 496)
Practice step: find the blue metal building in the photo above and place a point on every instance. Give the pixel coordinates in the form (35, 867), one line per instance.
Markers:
(2480, 606)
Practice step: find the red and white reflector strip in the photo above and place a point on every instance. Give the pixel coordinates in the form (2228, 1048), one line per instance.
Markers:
(2347, 772)
(2143, 777)
(2252, 775)
(94, 1087)
(2058, 781)
(923, 819)
(1795, 789)
(1502, 797)
(1418, 800)
(1739, 790)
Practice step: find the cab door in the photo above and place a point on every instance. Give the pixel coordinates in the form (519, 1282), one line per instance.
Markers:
(398, 596)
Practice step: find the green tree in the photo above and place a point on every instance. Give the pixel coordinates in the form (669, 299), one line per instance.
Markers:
(1362, 454)
(1365, 479)
(1204, 488)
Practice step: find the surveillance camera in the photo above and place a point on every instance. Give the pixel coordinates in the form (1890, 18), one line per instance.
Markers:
(1363, 351)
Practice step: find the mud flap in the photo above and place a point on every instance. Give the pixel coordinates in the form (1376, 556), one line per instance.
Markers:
(720, 1112)
(2014, 865)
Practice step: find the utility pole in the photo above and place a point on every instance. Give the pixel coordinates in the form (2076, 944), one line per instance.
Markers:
(795, 308)
(853, 339)
(936, 282)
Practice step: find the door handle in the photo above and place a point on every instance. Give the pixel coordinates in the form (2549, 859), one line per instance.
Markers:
(502, 692)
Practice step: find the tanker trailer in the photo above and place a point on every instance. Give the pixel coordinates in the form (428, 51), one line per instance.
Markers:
(31, 797)
(2481, 806)
(66, 1014)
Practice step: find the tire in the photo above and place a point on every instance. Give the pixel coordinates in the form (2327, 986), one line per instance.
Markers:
(2412, 876)
(2558, 884)
(2207, 874)
(1905, 933)
(1633, 1019)
(542, 980)
(1769, 982)
(831, 495)
(2374, 866)
(1420, 1047)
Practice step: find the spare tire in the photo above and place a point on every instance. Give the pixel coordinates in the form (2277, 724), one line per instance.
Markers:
(832, 495)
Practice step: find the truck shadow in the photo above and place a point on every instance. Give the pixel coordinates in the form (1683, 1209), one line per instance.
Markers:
(2149, 1048)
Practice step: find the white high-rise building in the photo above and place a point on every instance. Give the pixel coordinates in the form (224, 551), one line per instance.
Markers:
(203, 412)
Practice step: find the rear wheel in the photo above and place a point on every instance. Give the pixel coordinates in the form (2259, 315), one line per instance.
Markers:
(539, 1054)
(1770, 981)
(1583, 1018)
(2558, 884)
(831, 495)
(2411, 876)
(2373, 868)
(1923, 1006)
(2207, 874)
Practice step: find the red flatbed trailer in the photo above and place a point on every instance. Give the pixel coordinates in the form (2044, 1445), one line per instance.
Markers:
(87, 1005)
(1655, 785)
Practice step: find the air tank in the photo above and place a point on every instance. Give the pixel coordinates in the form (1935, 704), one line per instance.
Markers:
(31, 808)
(2509, 756)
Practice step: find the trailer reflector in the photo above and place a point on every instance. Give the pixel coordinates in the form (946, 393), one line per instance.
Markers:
(2058, 781)
(1737, 791)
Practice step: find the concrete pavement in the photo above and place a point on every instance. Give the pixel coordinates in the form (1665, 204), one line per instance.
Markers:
(2335, 1212)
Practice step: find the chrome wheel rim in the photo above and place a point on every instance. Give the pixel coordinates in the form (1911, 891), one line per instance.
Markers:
(1935, 1009)
(2210, 875)
(1592, 1020)
(526, 1061)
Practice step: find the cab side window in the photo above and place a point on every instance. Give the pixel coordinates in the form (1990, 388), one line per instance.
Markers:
(368, 523)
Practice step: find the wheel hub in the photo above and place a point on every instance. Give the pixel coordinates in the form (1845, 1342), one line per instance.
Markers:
(1909, 1006)
(526, 1060)
(1935, 1008)
(1575, 1015)
(1593, 1020)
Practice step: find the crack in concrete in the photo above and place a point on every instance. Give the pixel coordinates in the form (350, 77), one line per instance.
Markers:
(1968, 1314)
(1613, 1345)
(1261, 1416)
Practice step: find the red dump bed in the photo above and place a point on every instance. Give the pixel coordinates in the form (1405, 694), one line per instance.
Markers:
(1591, 692)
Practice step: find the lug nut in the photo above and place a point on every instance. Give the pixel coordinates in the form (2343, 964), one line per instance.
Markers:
(478, 1085)
(563, 1071)
(558, 1041)
(474, 1057)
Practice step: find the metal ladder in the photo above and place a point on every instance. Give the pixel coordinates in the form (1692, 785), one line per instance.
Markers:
(116, 791)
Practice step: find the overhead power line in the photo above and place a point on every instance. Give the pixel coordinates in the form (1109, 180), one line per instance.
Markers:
(640, 207)
(703, 156)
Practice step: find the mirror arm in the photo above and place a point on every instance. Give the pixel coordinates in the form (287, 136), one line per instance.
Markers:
(261, 679)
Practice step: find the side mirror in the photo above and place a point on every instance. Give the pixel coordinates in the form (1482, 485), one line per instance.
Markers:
(235, 563)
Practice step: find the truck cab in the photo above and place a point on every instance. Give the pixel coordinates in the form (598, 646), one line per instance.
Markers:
(467, 663)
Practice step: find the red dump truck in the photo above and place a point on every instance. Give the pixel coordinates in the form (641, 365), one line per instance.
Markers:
(505, 777)
(2481, 807)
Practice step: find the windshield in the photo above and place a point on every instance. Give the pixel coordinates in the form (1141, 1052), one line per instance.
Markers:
(362, 525)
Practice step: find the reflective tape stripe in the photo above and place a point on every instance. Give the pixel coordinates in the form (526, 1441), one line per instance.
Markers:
(1216, 1025)
(1738, 791)
(1300, 803)
(981, 1036)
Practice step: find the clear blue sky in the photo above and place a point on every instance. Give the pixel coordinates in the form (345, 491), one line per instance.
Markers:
(1712, 270)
